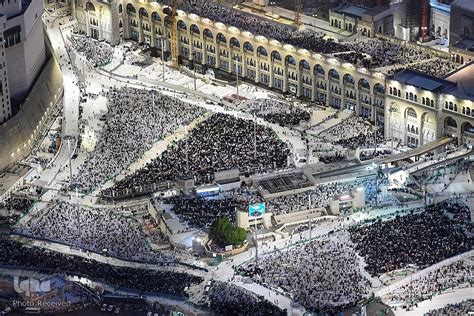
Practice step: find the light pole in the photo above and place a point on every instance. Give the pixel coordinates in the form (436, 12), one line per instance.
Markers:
(272, 4)
(194, 69)
(315, 15)
(391, 109)
(236, 59)
(162, 39)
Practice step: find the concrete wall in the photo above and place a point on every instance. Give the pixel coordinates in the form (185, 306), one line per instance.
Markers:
(18, 133)
(25, 60)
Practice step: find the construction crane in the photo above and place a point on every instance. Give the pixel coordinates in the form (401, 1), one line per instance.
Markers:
(174, 33)
(298, 13)
(424, 19)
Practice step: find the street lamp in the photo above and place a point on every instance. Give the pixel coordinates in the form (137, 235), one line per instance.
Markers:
(236, 60)
(315, 15)
(272, 4)
(194, 68)
(392, 109)
(162, 39)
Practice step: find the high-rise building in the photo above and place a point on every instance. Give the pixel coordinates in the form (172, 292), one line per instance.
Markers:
(22, 51)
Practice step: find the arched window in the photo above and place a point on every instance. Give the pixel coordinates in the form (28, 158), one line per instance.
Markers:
(234, 42)
(304, 65)
(290, 60)
(261, 51)
(248, 47)
(411, 113)
(319, 70)
(155, 17)
(208, 34)
(349, 79)
(276, 55)
(334, 74)
(195, 29)
(143, 12)
(181, 25)
(131, 9)
(221, 38)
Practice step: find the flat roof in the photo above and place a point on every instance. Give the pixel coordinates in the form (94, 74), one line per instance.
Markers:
(351, 10)
(377, 10)
(466, 4)
(467, 44)
(421, 80)
(464, 79)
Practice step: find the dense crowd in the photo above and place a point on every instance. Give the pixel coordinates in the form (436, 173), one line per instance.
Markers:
(201, 212)
(321, 196)
(421, 238)
(94, 229)
(370, 154)
(353, 132)
(228, 299)
(19, 204)
(135, 120)
(221, 142)
(452, 276)
(380, 53)
(98, 53)
(437, 67)
(16, 254)
(277, 112)
(456, 309)
(324, 275)
(287, 34)
(369, 54)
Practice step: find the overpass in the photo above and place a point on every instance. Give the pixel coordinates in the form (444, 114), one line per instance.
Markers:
(418, 151)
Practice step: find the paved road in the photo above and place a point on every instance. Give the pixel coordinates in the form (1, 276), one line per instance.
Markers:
(71, 103)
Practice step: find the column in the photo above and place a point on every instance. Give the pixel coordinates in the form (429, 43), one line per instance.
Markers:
(153, 34)
(140, 29)
(99, 22)
(257, 68)
(244, 64)
(88, 27)
(126, 24)
(299, 93)
(204, 52)
(285, 76)
(73, 9)
(272, 74)
(218, 56)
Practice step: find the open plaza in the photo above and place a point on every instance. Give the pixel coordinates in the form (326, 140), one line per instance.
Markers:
(203, 158)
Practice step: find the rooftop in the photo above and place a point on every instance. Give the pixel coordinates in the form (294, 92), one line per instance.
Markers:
(421, 80)
(377, 10)
(466, 4)
(467, 44)
(351, 10)
(464, 79)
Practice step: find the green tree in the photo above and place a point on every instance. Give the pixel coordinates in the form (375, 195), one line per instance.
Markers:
(224, 233)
